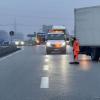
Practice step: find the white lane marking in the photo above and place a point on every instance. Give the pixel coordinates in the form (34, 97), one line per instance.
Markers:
(44, 82)
(10, 55)
(46, 68)
(46, 60)
(47, 56)
(23, 48)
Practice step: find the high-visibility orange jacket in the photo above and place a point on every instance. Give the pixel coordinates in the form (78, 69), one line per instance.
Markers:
(76, 46)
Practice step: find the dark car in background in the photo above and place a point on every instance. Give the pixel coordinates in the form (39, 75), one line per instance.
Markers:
(4, 38)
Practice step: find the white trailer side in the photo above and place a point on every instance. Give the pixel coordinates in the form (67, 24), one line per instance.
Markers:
(87, 30)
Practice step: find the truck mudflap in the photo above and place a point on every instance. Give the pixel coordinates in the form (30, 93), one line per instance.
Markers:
(85, 50)
(95, 54)
(92, 51)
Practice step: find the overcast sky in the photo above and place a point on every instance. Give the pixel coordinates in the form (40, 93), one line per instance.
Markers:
(32, 14)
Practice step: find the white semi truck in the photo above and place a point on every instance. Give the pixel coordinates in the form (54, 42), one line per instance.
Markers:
(87, 30)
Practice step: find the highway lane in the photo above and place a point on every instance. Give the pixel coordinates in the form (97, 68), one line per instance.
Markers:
(30, 74)
(20, 75)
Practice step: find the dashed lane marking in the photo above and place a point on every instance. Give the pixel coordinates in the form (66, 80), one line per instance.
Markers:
(46, 68)
(44, 82)
(46, 60)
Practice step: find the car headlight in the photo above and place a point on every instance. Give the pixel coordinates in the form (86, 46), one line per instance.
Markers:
(37, 41)
(63, 44)
(16, 42)
(22, 42)
(48, 44)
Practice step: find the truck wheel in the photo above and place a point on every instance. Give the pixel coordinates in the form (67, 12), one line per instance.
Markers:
(94, 55)
(48, 52)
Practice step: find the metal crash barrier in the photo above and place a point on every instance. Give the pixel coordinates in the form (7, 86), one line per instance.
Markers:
(5, 50)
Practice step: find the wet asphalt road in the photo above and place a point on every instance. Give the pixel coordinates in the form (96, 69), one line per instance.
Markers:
(30, 74)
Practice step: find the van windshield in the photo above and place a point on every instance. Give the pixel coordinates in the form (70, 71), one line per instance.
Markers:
(56, 37)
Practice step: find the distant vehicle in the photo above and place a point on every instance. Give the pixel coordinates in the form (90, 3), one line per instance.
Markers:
(4, 43)
(56, 42)
(1, 42)
(87, 30)
(18, 42)
(40, 38)
(4, 38)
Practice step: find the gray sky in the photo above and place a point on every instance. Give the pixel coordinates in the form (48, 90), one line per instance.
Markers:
(31, 14)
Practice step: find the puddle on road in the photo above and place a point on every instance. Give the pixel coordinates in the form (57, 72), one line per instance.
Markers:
(85, 65)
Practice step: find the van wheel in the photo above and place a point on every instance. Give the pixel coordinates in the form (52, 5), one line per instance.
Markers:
(48, 52)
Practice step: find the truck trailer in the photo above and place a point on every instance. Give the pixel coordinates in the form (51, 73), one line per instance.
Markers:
(87, 30)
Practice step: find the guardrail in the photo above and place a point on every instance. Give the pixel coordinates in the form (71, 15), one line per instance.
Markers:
(5, 50)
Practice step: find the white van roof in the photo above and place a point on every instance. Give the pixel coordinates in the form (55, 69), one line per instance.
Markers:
(59, 27)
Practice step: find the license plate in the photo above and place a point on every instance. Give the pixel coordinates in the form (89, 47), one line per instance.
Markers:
(56, 49)
(58, 46)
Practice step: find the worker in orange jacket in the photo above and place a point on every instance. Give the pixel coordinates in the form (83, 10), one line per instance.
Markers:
(76, 49)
